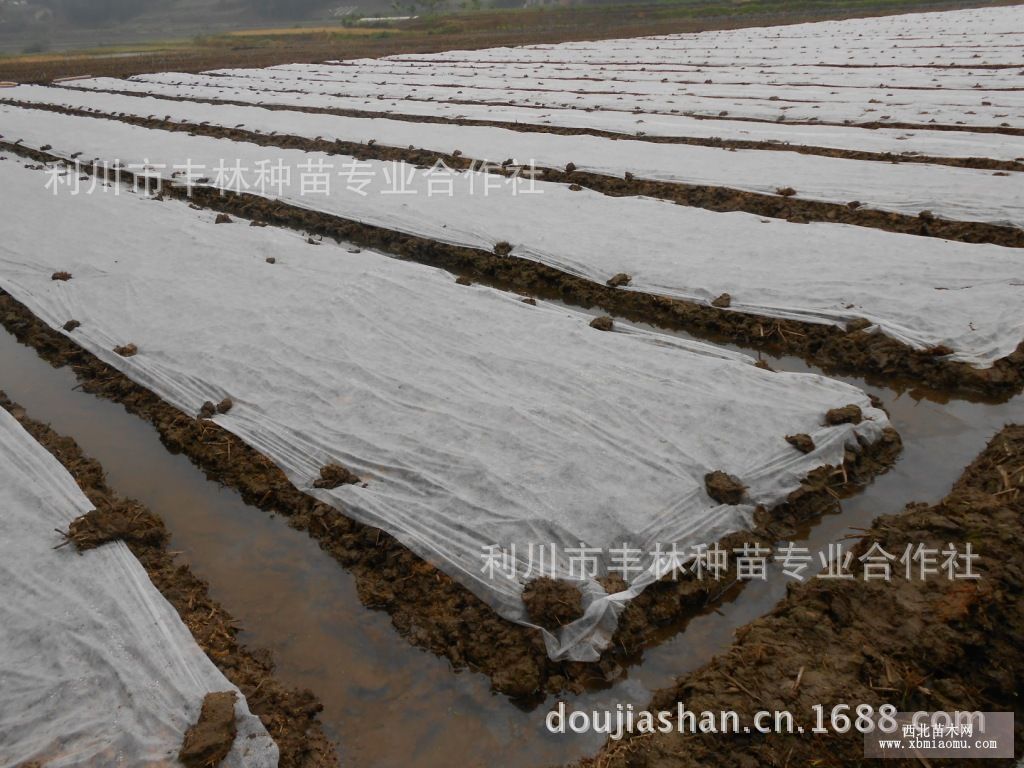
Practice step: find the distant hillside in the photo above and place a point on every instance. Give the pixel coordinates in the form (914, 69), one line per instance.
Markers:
(28, 26)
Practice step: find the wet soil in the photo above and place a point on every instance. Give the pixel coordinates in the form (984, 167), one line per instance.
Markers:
(552, 603)
(984, 163)
(782, 205)
(834, 350)
(290, 715)
(932, 644)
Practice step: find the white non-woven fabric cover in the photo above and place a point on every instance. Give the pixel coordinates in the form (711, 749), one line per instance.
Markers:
(929, 108)
(473, 418)
(957, 193)
(935, 143)
(922, 291)
(96, 667)
(912, 40)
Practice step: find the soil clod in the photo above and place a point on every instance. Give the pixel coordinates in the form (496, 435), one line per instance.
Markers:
(848, 414)
(503, 248)
(225, 405)
(723, 301)
(463, 280)
(785, 191)
(619, 280)
(334, 475)
(603, 323)
(61, 276)
(529, 300)
(70, 325)
(222, 218)
(208, 742)
(207, 410)
(802, 442)
(552, 603)
(271, 260)
(127, 350)
(724, 488)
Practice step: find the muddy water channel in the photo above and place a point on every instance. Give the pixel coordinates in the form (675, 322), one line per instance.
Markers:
(387, 703)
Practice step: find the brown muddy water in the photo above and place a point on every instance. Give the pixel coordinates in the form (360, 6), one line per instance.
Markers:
(387, 703)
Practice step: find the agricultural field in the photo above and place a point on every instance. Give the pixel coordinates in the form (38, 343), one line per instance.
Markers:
(401, 410)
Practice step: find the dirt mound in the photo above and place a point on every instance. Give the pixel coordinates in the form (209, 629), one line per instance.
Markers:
(334, 475)
(552, 603)
(126, 350)
(724, 488)
(126, 521)
(848, 414)
(802, 442)
(208, 742)
(619, 280)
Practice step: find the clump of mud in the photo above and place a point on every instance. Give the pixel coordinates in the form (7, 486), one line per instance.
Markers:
(723, 301)
(70, 325)
(208, 742)
(504, 248)
(724, 488)
(127, 350)
(848, 414)
(802, 442)
(334, 475)
(552, 603)
(619, 280)
(61, 276)
(463, 280)
(222, 218)
(785, 192)
(126, 521)
(575, 188)
(271, 260)
(603, 323)
(529, 300)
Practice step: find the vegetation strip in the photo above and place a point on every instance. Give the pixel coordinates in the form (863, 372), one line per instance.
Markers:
(833, 349)
(289, 715)
(982, 163)
(715, 198)
(922, 645)
(427, 606)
